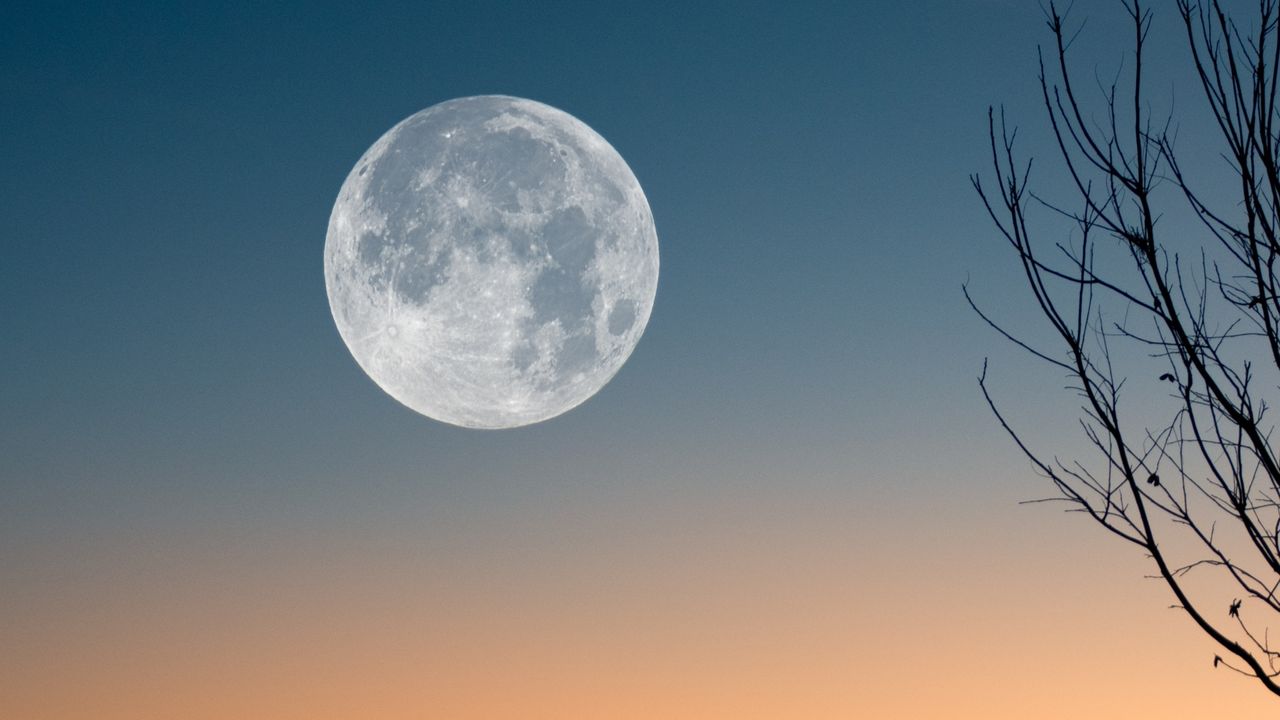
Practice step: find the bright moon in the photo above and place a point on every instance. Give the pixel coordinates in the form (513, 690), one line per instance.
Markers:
(491, 262)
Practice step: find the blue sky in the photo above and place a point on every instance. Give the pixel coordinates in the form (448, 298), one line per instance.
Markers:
(807, 169)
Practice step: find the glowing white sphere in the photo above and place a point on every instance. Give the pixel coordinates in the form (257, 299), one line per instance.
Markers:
(491, 262)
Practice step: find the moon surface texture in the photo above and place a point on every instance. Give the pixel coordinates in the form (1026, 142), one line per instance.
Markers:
(491, 262)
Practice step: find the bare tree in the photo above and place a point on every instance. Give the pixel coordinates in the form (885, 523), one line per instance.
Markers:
(1183, 315)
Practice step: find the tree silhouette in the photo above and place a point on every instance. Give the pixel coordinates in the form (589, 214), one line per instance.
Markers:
(1184, 316)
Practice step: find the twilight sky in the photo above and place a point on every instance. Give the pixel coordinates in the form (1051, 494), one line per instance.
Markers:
(791, 501)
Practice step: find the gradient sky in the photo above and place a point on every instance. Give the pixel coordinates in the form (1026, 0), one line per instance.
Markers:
(791, 502)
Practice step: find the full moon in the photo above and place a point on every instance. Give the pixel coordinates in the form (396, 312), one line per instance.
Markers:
(491, 262)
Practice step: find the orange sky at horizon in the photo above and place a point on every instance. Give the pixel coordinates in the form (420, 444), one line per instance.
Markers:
(720, 615)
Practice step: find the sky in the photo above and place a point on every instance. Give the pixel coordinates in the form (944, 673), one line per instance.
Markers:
(792, 501)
